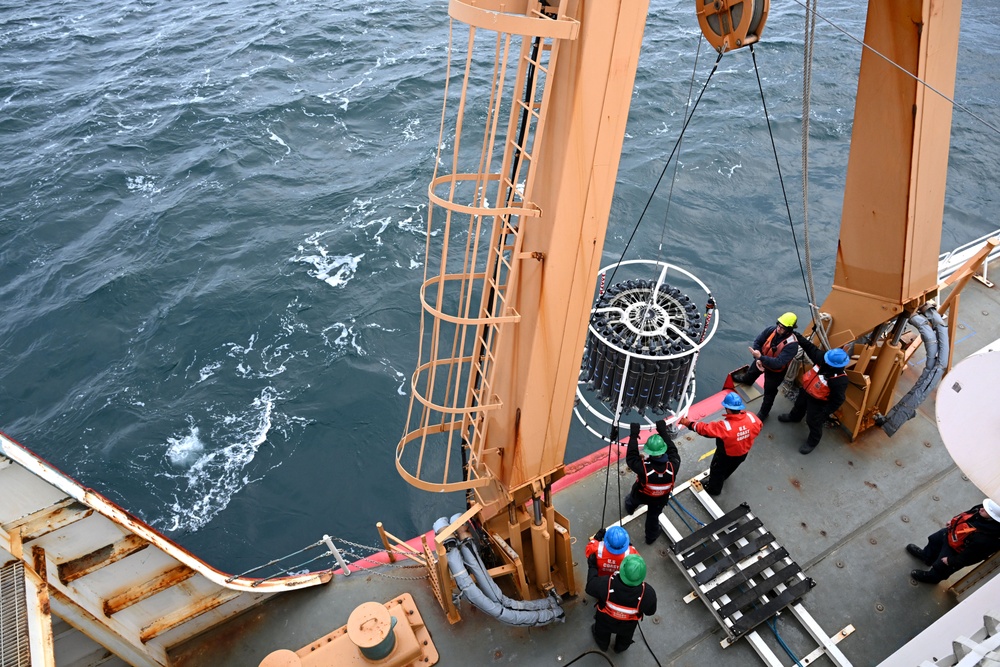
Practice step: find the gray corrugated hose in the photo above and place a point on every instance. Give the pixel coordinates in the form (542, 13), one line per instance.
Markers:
(934, 333)
(487, 596)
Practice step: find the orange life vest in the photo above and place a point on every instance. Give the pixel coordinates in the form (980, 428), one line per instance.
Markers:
(609, 563)
(959, 529)
(816, 384)
(657, 483)
(777, 350)
(622, 612)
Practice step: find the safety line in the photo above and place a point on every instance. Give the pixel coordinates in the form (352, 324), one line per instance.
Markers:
(902, 69)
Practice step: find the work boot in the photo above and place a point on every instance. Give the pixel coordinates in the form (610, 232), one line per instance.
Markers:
(786, 418)
(924, 576)
(917, 553)
(807, 448)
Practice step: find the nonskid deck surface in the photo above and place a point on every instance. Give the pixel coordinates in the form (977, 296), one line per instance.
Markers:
(844, 512)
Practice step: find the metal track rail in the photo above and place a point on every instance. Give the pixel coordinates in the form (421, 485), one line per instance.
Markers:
(745, 577)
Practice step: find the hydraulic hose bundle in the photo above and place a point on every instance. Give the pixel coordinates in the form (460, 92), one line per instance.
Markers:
(475, 584)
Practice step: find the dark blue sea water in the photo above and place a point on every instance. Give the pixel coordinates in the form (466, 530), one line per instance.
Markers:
(212, 237)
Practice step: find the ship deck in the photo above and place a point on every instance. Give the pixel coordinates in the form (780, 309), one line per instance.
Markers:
(845, 513)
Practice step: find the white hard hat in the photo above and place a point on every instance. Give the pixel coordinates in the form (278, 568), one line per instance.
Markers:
(992, 509)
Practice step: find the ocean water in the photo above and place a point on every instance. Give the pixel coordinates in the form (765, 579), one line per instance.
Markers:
(212, 225)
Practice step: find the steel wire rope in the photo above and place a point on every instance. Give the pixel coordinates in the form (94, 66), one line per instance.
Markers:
(673, 177)
(861, 42)
(663, 172)
(807, 284)
(687, 119)
(809, 39)
(652, 194)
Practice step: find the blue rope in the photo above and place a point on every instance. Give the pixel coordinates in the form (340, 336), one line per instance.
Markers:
(773, 624)
(686, 512)
(681, 517)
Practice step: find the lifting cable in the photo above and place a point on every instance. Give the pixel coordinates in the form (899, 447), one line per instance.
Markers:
(804, 270)
(689, 114)
(663, 172)
(673, 151)
(861, 42)
(809, 40)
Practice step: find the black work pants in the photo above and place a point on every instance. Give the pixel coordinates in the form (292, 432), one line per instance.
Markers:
(772, 381)
(937, 548)
(816, 413)
(604, 626)
(654, 506)
(723, 465)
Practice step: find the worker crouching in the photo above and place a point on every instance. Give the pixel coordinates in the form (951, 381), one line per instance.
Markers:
(969, 538)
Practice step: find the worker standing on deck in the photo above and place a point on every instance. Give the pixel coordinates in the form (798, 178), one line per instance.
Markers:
(772, 350)
(734, 436)
(608, 548)
(622, 600)
(655, 472)
(824, 388)
(969, 538)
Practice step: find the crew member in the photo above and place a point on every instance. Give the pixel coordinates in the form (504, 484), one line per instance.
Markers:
(968, 538)
(824, 387)
(772, 351)
(622, 600)
(607, 549)
(734, 436)
(655, 469)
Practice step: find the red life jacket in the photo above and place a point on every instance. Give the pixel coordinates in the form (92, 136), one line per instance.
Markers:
(816, 384)
(657, 483)
(609, 563)
(622, 612)
(741, 429)
(959, 529)
(777, 350)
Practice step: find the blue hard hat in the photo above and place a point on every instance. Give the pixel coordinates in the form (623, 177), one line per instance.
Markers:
(616, 540)
(732, 401)
(837, 358)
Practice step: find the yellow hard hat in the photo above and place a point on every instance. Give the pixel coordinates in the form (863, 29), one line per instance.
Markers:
(788, 320)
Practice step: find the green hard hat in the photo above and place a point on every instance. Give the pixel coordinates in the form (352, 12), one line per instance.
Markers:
(655, 446)
(632, 570)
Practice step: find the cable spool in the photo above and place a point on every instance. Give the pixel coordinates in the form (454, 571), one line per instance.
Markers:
(643, 343)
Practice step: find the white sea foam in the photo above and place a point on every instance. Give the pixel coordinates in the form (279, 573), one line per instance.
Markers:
(344, 337)
(732, 170)
(278, 140)
(208, 371)
(144, 184)
(334, 270)
(183, 450)
(215, 474)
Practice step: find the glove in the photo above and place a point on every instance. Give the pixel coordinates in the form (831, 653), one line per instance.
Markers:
(634, 429)
(661, 426)
(599, 535)
(614, 433)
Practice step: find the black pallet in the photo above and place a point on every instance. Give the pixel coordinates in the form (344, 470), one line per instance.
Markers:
(753, 596)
